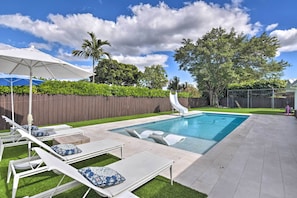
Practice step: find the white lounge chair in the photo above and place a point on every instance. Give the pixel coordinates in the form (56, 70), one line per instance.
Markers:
(50, 129)
(13, 136)
(143, 135)
(137, 170)
(15, 139)
(168, 140)
(30, 166)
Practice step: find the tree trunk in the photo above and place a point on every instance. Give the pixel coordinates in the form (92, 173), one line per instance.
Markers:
(93, 75)
(213, 98)
(216, 100)
(210, 93)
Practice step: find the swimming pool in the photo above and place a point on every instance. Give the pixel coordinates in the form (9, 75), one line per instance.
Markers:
(202, 131)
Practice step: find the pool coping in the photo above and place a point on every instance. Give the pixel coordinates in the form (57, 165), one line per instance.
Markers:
(238, 166)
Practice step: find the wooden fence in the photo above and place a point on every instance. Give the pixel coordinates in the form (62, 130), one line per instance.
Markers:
(56, 109)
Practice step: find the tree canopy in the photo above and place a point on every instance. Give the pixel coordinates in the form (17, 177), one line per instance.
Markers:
(259, 84)
(154, 77)
(113, 72)
(219, 58)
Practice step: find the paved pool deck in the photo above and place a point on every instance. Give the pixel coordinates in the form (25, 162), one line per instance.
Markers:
(258, 159)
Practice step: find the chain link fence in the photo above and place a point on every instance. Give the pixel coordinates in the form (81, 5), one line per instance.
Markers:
(259, 98)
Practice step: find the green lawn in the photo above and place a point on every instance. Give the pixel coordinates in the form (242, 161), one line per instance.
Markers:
(158, 187)
(269, 111)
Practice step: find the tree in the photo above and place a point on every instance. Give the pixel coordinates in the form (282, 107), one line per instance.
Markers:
(92, 48)
(112, 72)
(154, 77)
(220, 58)
(193, 91)
(174, 84)
(209, 62)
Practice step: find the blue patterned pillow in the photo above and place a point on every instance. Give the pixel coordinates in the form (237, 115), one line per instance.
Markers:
(40, 132)
(102, 176)
(66, 149)
(33, 127)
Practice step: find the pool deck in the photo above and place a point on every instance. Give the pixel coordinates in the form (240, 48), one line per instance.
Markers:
(258, 159)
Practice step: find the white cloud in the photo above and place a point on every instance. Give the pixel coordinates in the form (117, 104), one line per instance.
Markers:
(287, 39)
(41, 46)
(161, 28)
(271, 27)
(148, 30)
(88, 68)
(64, 55)
(143, 61)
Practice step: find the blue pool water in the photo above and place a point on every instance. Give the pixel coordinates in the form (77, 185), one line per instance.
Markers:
(202, 131)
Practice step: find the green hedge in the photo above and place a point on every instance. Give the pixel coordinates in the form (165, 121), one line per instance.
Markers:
(53, 87)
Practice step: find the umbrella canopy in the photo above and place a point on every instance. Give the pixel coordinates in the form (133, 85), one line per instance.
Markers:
(32, 62)
(16, 80)
(24, 61)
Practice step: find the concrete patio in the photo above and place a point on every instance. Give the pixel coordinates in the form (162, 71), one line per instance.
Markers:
(259, 159)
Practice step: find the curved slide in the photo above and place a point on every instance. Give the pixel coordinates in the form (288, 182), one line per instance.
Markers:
(176, 105)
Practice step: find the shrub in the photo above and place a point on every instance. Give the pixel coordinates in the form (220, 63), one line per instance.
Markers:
(54, 87)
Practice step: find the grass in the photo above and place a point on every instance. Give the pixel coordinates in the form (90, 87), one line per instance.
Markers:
(114, 119)
(269, 111)
(158, 187)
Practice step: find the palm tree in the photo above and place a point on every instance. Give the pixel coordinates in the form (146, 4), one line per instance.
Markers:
(174, 84)
(92, 48)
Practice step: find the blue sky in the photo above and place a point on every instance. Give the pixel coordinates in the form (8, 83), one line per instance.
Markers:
(143, 33)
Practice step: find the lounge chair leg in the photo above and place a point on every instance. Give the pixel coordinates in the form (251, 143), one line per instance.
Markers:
(1, 149)
(57, 187)
(15, 186)
(171, 176)
(9, 171)
(121, 152)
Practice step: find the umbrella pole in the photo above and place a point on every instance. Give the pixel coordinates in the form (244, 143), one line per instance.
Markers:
(30, 117)
(12, 104)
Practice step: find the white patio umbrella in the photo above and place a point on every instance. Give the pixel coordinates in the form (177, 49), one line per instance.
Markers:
(16, 80)
(32, 62)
